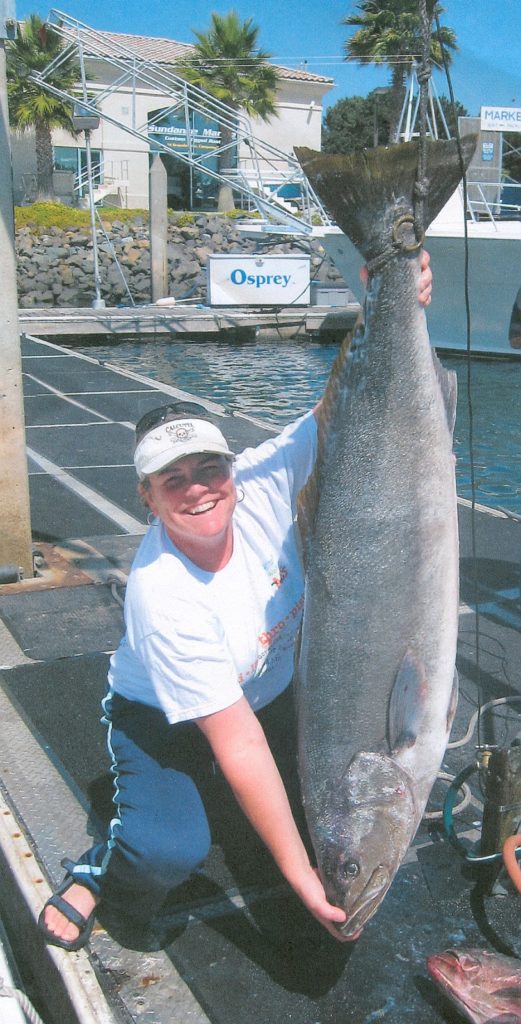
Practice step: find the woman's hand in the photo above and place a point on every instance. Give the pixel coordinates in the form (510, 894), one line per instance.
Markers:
(311, 892)
(425, 282)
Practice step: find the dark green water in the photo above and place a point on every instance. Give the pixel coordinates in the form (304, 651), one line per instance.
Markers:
(278, 380)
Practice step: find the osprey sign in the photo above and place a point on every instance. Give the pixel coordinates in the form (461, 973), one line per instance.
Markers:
(501, 119)
(258, 280)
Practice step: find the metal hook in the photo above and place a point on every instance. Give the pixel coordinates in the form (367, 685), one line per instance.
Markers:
(407, 219)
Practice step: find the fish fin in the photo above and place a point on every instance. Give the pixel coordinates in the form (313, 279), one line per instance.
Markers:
(366, 191)
(448, 381)
(307, 500)
(407, 703)
(453, 702)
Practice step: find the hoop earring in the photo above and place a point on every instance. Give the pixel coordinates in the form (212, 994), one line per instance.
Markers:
(240, 495)
(150, 518)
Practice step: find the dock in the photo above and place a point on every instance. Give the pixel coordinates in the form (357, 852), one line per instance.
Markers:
(240, 947)
(198, 320)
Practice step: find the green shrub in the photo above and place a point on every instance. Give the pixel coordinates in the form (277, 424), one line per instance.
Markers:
(50, 215)
(42, 216)
(182, 219)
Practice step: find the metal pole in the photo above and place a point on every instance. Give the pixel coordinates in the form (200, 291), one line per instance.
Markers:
(15, 518)
(98, 302)
(158, 221)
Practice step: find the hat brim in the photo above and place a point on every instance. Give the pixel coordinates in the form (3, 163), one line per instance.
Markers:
(174, 440)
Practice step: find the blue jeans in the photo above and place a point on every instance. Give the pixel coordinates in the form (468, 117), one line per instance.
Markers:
(159, 833)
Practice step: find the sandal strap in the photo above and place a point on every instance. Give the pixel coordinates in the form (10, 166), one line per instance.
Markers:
(67, 910)
(69, 865)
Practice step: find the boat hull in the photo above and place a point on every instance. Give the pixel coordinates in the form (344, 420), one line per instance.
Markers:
(494, 286)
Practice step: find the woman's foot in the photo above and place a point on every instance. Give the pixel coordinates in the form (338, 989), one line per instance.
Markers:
(67, 922)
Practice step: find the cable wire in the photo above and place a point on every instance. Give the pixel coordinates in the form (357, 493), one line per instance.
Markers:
(469, 373)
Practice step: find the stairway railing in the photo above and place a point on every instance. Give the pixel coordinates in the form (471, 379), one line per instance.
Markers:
(254, 182)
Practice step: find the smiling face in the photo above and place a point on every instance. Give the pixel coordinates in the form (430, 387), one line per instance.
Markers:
(195, 497)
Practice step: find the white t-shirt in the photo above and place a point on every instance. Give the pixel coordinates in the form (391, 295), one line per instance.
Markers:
(196, 641)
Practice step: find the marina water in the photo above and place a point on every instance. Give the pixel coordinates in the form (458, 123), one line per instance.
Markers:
(276, 379)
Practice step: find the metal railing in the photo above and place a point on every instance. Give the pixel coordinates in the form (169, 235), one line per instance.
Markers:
(489, 200)
(108, 176)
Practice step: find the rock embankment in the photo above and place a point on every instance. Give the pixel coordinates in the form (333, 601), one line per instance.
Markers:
(56, 265)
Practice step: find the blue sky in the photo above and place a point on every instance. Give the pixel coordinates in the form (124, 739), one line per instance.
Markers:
(308, 33)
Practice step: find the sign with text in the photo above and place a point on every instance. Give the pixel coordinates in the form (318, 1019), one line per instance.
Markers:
(196, 135)
(258, 280)
(501, 119)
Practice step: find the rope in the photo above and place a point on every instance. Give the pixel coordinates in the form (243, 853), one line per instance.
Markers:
(421, 187)
(458, 808)
(477, 716)
(23, 1001)
(114, 256)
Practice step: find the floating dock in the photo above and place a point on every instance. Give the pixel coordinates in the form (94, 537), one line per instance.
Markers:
(133, 321)
(239, 946)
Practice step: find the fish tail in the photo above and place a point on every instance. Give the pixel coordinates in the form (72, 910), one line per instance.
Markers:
(371, 193)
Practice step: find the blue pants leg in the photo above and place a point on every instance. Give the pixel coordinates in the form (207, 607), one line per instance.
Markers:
(159, 833)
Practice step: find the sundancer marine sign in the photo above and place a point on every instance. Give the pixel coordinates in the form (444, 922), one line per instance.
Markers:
(258, 280)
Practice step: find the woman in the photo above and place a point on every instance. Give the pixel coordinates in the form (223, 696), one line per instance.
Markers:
(212, 609)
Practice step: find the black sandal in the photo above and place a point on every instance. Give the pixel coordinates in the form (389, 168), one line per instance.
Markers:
(84, 924)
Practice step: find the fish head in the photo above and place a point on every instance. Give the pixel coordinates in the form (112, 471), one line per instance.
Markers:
(366, 829)
(485, 987)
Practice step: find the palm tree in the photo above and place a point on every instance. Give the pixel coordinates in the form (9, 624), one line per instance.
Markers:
(389, 32)
(31, 106)
(228, 64)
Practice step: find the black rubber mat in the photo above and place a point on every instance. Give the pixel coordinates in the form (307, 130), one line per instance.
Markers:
(57, 512)
(78, 377)
(60, 700)
(128, 406)
(66, 621)
(93, 444)
(45, 408)
(273, 963)
(118, 484)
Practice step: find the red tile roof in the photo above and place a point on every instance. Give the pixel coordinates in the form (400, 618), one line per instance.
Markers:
(168, 51)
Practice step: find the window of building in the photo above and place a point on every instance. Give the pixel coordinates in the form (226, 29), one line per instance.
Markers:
(74, 159)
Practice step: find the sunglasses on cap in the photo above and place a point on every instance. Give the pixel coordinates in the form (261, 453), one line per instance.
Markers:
(155, 417)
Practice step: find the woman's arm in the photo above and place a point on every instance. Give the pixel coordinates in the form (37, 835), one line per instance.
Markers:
(241, 749)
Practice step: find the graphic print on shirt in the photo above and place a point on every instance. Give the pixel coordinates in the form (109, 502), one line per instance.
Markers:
(277, 573)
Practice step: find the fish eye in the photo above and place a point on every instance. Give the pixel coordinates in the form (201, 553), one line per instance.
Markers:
(350, 869)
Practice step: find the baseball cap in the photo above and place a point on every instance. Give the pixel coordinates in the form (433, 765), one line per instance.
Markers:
(170, 433)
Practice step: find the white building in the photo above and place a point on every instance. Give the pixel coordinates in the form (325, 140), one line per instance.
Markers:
(123, 159)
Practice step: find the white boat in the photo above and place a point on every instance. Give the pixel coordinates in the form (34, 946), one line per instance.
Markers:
(494, 279)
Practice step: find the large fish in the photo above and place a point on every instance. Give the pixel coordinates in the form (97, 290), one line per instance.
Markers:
(376, 684)
(485, 987)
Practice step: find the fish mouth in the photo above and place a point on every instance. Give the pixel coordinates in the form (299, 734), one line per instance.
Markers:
(446, 971)
(364, 911)
(350, 931)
